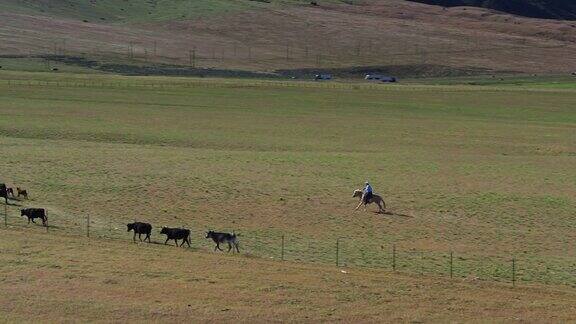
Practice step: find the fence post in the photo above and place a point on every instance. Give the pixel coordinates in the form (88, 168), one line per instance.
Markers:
(394, 257)
(513, 272)
(6, 216)
(282, 247)
(451, 264)
(337, 252)
(421, 263)
(88, 225)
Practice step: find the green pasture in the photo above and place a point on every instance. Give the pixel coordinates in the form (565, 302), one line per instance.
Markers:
(40, 65)
(507, 81)
(486, 172)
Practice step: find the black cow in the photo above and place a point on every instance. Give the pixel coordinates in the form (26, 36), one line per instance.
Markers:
(140, 228)
(33, 213)
(231, 239)
(176, 234)
(4, 192)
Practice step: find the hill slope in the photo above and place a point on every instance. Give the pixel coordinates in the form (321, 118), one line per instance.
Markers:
(549, 9)
(261, 36)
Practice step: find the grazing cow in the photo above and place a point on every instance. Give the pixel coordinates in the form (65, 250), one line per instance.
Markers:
(218, 238)
(176, 234)
(22, 192)
(3, 192)
(140, 228)
(33, 213)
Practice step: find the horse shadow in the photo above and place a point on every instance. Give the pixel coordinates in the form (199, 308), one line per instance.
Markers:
(391, 213)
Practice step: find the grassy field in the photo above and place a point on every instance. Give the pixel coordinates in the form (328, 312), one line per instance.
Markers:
(51, 278)
(485, 172)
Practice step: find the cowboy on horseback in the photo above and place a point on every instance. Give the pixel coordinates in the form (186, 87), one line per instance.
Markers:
(367, 196)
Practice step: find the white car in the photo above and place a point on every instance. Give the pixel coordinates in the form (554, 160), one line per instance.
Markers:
(378, 77)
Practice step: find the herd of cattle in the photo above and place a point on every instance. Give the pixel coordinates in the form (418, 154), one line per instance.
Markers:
(184, 235)
(7, 192)
(138, 227)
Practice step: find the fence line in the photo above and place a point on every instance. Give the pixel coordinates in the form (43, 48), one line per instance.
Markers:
(227, 83)
(191, 55)
(342, 252)
(216, 83)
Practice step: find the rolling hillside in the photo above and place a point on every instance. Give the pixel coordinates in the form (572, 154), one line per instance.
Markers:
(394, 35)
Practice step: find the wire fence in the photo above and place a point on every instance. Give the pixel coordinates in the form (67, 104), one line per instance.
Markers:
(340, 252)
(220, 84)
(314, 54)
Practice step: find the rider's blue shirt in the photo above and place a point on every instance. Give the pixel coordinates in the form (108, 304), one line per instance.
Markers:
(368, 189)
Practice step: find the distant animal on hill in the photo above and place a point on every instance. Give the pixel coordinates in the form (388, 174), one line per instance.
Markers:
(22, 192)
(218, 238)
(140, 228)
(33, 213)
(375, 199)
(10, 192)
(176, 234)
(3, 192)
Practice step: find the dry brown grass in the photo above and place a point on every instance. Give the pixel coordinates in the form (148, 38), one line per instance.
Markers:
(53, 278)
(383, 33)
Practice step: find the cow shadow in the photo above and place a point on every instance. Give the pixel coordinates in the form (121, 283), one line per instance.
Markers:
(160, 243)
(18, 203)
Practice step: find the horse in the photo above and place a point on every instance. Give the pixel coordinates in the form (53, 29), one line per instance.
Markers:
(375, 199)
